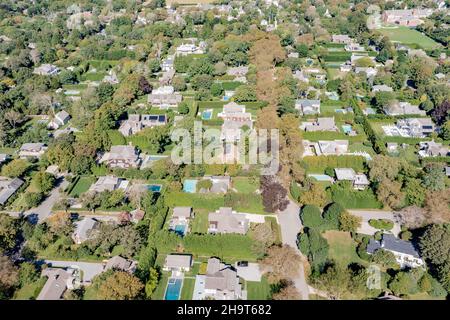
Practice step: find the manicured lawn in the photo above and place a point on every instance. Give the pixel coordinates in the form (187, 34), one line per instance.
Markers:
(203, 201)
(158, 294)
(8, 151)
(188, 289)
(30, 291)
(409, 36)
(82, 186)
(200, 222)
(245, 184)
(258, 290)
(342, 247)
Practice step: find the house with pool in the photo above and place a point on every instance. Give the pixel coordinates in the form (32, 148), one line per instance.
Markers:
(181, 217)
(177, 264)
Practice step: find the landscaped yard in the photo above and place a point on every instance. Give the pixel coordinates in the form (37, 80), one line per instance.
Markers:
(342, 247)
(200, 222)
(258, 290)
(409, 36)
(158, 294)
(245, 185)
(188, 289)
(82, 186)
(30, 291)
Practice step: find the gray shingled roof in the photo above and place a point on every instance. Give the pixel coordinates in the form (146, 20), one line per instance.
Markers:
(391, 243)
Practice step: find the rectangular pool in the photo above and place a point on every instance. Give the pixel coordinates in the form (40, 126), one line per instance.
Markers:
(190, 185)
(173, 289)
(180, 229)
(154, 187)
(207, 115)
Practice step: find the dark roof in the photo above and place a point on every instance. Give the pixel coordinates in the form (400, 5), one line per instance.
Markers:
(391, 243)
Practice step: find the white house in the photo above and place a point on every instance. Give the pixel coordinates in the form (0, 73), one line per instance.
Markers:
(61, 119)
(359, 181)
(307, 106)
(178, 262)
(32, 150)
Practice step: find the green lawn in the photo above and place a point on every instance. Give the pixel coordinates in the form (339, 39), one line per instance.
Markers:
(188, 289)
(200, 222)
(82, 186)
(342, 247)
(258, 290)
(409, 36)
(30, 291)
(245, 184)
(158, 294)
(8, 151)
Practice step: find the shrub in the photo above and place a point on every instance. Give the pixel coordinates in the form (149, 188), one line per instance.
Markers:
(311, 216)
(382, 224)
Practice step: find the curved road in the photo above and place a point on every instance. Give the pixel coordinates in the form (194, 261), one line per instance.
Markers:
(290, 224)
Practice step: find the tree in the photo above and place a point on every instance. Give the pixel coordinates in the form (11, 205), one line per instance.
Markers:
(383, 167)
(434, 177)
(32, 199)
(316, 195)
(402, 284)
(283, 263)
(28, 273)
(273, 194)
(414, 192)
(287, 292)
(245, 93)
(9, 230)
(411, 217)
(349, 222)
(384, 258)
(9, 276)
(263, 237)
(120, 285)
(152, 282)
(389, 193)
(334, 280)
(436, 206)
(302, 50)
(333, 214)
(441, 113)
(216, 89)
(315, 247)
(44, 181)
(311, 216)
(15, 168)
(60, 223)
(183, 108)
(178, 83)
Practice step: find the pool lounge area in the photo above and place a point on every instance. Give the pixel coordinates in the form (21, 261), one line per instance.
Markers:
(190, 185)
(173, 289)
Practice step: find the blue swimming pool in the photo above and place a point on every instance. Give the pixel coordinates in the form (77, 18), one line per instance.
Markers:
(154, 187)
(180, 229)
(226, 98)
(321, 177)
(207, 115)
(347, 128)
(173, 289)
(190, 185)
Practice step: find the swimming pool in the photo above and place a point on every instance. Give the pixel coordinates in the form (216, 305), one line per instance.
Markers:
(207, 115)
(154, 187)
(173, 289)
(180, 229)
(321, 177)
(226, 98)
(347, 128)
(190, 185)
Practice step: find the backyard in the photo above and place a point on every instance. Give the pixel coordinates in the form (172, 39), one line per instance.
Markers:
(81, 186)
(409, 36)
(342, 247)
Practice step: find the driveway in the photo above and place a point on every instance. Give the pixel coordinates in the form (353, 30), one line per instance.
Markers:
(90, 269)
(290, 224)
(41, 212)
(249, 273)
(367, 215)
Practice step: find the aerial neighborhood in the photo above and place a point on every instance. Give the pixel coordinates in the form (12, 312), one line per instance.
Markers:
(132, 151)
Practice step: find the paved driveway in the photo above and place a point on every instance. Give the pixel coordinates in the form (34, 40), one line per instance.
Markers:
(367, 215)
(90, 269)
(249, 273)
(290, 224)
(41, 212)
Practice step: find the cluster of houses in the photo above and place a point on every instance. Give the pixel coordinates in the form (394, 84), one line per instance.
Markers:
(406, 17)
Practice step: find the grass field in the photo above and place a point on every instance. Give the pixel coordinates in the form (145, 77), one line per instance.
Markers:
(200, 222)
(409, 36)
(342, 247)
(245, 185)
(82, 186)
(188, 289)
(258, 290)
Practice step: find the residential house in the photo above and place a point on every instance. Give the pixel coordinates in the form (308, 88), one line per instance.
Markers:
(404, 251)
(321, 124)
(32, 150)
(178, 262)
(46, 70)
(222, 282)
(167, 63)
(238, 71)
(189, 48)
(433, 149)
(416, 127)
(300, 76)
(370, 72)
(180, 220)
(341, 38)
(352, 47)
(111, 78)
(406, 17)
(164, 97)
(61, 119)
(225, 220)
(403, 108)
(108, 183)
(122, 264)
(234, 119)
(307, 106)
(332, 147)
(83, 229)
(138, 122)
(122, 157)
(59, 280)
(359, 181)
(8, 187)
(381, 88)
(220, 184)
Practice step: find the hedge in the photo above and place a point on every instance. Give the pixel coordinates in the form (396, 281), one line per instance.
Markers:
(354, 199)
(382, 224)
